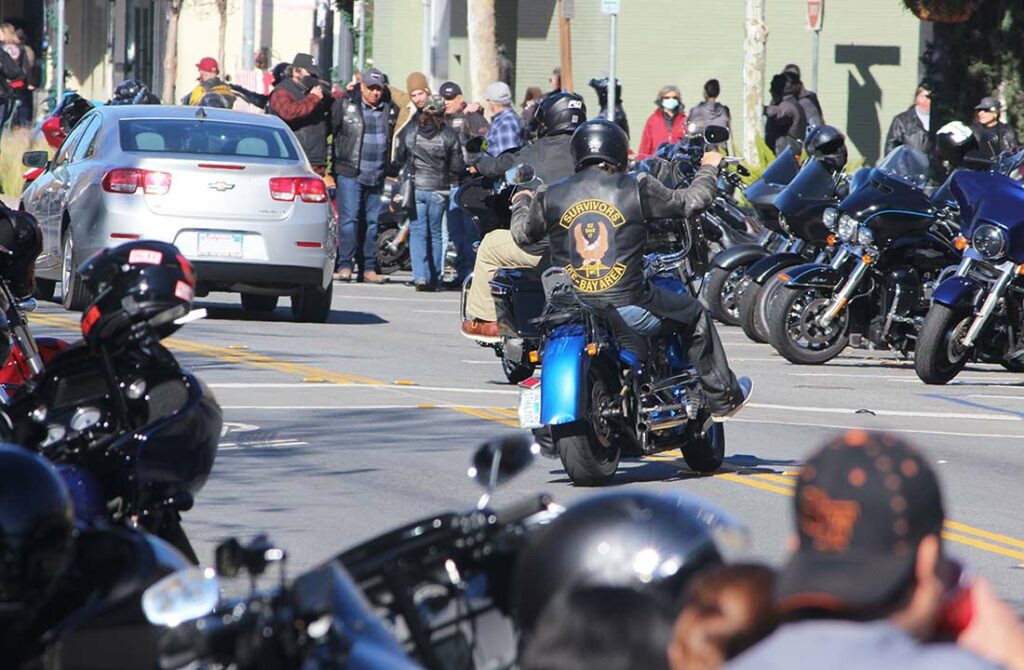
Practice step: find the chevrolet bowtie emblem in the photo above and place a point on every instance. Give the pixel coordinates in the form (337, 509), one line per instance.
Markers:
(221, 186)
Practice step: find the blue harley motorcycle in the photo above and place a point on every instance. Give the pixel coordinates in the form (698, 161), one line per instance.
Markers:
(978, 314)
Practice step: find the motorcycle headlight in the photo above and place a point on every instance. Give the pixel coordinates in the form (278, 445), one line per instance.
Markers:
(829, 217)
(847, 228)
(989, 241)
(864, 236)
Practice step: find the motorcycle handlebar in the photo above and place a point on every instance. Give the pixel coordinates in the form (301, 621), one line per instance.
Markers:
(522, 510)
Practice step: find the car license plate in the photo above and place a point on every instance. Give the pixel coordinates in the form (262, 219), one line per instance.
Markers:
(221, 245)
(529, 404)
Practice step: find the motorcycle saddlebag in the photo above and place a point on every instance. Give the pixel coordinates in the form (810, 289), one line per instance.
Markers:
(519, 298)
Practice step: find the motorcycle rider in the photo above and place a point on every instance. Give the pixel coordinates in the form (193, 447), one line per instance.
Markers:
(993, 136)
(595, 222)
(133, 92)
(557, 117)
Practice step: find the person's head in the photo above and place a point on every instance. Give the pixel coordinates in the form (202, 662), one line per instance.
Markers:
(607, 627)
(280, 72)
(987, 111)
(451, 93)
(208, 68)
(531, 96)
(418, 87)
(556, 79)
(712, 89)
(669, 98)
(777, 88)
(498, 96)
(559, 114)
(923, 99)
(36, 530)
(726, 610)
(261, 59)
(432, 112)
(793, 68)
(304, 66)
(793, 83)
(8, 33)
(21, 35)
(636, 540)
(371, 86)
(868, 517)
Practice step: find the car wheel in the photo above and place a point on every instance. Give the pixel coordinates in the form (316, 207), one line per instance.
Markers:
(255, 302)
(75, 297)
(45, 288)
(312, 304)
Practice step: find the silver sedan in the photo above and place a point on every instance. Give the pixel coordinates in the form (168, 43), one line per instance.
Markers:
(233, 191)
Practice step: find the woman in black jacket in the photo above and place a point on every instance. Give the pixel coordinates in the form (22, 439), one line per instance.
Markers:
(429, 152)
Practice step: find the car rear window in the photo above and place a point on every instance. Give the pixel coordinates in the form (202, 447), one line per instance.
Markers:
(214, 138)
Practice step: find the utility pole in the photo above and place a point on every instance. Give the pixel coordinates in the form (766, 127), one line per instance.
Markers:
(428, 39)
(359, 23)
(754, 46)
(483, 54)
(566, 13)
(248, 33)
(60, 51)
(611, 8)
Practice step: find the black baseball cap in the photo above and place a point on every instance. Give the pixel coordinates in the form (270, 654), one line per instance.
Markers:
(863, 504)
(988, 104)
(306, 62)
(374, 77)
(449, 90)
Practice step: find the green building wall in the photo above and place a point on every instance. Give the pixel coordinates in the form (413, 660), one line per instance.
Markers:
(868, 69)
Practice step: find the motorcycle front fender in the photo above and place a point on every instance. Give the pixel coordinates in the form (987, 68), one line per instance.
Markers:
(814, 275)
(767, 267)
(739, 255)
(959, 292)
(563, 380)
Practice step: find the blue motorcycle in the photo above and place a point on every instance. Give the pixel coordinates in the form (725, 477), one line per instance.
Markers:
(978, 314)
(609, 390)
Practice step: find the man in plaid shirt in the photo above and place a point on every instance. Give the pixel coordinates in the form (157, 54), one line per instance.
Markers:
(506, 132)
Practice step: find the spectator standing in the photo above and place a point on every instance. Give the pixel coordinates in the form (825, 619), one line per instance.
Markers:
(467, 125)
(992, 135)
(808, 99)
(710, 112)
(211, 91)
(302, 103)
(31, 67)
(418, 89)
(363, 126)
(506, 132)
(667, 123)
(910, 127)
(12, 45)
(430, 152)
(868, 582)
(785, 124)
(532, 96)
(254, 86)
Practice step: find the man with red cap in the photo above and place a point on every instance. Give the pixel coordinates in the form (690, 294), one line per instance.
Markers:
(211, 90)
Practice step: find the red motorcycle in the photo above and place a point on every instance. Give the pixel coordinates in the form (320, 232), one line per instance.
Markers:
(56, 127)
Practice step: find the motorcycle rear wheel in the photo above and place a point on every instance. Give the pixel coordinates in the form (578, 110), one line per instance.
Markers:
(938, 357)
(796, 335)
(590, 454)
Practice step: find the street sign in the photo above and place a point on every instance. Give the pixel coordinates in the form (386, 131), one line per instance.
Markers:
(815, 10)
(610, 6)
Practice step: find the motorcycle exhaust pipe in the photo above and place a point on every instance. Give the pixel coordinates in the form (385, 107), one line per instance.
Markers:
(655, 426)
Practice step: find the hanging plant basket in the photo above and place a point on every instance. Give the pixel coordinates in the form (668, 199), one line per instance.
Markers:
(942, 11)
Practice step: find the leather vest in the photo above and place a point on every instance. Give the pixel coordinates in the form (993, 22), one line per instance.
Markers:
(597, 233)
(311, 130)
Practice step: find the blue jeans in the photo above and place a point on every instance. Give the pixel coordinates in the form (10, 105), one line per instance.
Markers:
(358, 208)
(425, 248)
(463, 234)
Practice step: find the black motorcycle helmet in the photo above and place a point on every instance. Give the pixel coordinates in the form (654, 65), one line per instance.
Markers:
(617, 539)
(137, 282)
(953, 141)
(21, 240)
(559, 114)
(600, 141)
(71, 111)
(828, 144)
(127, 91)
(36, 529)
(279, 72)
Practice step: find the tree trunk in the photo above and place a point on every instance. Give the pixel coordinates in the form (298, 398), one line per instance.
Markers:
(753, 79)
(483, 55)
(171, 52)
(222, 13)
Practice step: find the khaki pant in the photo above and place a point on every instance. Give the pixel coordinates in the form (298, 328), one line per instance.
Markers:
(497, 250)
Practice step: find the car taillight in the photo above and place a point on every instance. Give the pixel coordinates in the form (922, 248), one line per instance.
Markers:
(309, 189)
(129, 180)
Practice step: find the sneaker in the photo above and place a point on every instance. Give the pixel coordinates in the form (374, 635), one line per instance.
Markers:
(482, 331)
(746, 388)
(424, 286)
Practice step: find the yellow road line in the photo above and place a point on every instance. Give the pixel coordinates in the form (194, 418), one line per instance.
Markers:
(971, 530)
(785, 481)
(981, 544)
(747, 481)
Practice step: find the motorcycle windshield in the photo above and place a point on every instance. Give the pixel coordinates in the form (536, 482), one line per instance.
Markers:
(814, 182)
(783, 169)
(907, 165)
(988, 197)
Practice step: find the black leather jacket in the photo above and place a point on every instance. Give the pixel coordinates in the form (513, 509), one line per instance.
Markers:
(550, 156)
(347, 126)
(311, 129)
(995, 140)
(907, 130)
(786, 125)
(434, 163)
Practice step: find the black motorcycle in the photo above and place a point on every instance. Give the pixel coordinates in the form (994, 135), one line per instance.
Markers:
(897, 245)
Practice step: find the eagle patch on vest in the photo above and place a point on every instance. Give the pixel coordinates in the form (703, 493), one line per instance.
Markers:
(591, 225)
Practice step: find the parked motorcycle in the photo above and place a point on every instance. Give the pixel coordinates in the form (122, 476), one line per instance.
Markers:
(57, 126)
(897, 245)
(729, 267)
(979, 313)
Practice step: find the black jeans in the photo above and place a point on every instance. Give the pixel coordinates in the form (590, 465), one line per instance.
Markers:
(705, 350)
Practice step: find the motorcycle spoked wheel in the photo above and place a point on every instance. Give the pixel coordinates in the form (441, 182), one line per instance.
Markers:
(591, 456)
(704, 450)
(794, 330)
(721, 296)
(389, 261)
(940, 355)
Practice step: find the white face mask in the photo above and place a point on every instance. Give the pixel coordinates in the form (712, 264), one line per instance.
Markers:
(669, 103)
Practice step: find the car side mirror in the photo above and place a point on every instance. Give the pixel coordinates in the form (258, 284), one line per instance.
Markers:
(35, 159)
(520, 174)
(716, 134)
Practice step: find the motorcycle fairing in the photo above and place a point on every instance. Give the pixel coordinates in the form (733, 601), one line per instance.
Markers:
(564, 382)
(814, 275)
(959, 292)
(741, 254)
(764, 269)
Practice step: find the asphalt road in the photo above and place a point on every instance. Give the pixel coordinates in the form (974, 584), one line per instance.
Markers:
(337, 432)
